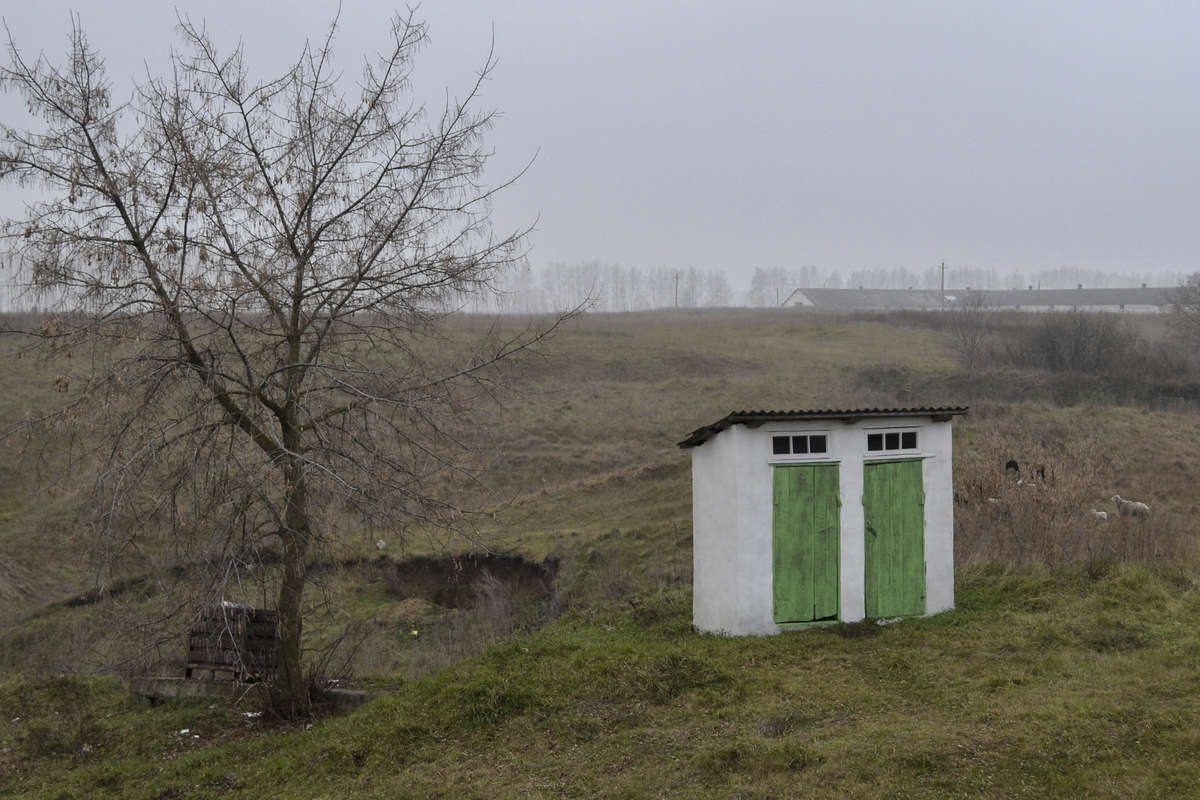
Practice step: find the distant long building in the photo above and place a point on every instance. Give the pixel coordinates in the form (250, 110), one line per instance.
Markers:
(1144, 300)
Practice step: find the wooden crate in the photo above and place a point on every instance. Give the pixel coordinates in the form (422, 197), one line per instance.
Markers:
(233, 643)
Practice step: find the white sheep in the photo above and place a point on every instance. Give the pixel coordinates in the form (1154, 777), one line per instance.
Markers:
(999, 508)
(1130, 508)
(1099, 516)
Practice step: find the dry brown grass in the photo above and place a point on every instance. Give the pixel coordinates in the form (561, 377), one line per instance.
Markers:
(584, 464)
(1087, 457)
(618, 391)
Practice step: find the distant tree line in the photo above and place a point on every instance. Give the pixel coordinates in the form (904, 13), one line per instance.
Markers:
(613, 287)
(771, 286)
(526, 289)
(608, 287)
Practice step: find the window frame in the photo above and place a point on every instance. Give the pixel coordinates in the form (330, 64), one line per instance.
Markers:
(799, 458)
(891, 453)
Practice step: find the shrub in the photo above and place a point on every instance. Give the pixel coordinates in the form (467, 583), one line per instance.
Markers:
(1074, 341)
(1091, 344)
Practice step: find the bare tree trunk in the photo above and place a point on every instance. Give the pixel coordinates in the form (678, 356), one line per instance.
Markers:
(296, 537)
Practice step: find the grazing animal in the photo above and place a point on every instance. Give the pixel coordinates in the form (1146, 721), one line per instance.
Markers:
(1099, 516)
(999, 508)
(1012, 469)
(1131, 508)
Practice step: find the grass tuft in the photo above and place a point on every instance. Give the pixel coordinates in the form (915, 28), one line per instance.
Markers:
(491, 699)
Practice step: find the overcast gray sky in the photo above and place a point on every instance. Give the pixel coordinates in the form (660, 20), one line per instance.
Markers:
(1015, 135)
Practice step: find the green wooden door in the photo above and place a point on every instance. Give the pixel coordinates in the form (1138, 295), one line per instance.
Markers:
(894, 508)
(806, 542)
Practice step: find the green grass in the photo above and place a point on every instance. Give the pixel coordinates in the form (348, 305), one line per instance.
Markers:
(1053, 683)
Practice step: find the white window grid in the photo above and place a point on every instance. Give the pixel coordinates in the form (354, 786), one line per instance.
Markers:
(791, 456)
(892, 441)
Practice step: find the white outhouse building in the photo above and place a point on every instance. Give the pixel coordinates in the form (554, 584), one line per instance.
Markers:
(807, 516)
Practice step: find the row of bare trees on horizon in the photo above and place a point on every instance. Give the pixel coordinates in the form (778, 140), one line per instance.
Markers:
(610, 287)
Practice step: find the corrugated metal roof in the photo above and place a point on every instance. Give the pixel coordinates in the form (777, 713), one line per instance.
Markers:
(756, 418)
(1068, 298)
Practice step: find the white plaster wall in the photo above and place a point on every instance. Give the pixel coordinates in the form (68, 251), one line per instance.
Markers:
(714, 535)
(939, 517)
(756, 596)
(849, 443)
(732, 507)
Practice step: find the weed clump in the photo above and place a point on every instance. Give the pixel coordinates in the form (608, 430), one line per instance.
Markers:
(864, 629)
(666, 677)
(1110, 635)
(641, 677)
(774, 727)
(491, 699)
(755, 758)
(54, 717)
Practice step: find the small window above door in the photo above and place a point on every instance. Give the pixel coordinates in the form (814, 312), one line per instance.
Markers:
(879, 442)
(800, 444)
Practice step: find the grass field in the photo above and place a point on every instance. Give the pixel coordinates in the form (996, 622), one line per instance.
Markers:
(1062, 684)
(1068, 669)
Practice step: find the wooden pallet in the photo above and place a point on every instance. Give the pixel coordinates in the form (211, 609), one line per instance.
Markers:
(233, 643)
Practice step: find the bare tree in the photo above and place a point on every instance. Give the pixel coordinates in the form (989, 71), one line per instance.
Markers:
(265, 266)
(968, 328)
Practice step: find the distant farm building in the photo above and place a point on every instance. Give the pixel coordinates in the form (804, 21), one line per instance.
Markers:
(806, 516)
(1146, 300)
(868, 299)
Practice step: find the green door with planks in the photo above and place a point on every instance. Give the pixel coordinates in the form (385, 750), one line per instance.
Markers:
(894, 511)
(806, 542)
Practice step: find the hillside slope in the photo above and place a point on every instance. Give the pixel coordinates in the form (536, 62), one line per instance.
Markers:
(1064, 684)
(1068, 668)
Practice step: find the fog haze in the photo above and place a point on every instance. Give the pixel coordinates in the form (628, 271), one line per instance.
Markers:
(1011, 136)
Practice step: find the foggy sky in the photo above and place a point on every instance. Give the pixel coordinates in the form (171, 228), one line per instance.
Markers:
(1013, 135)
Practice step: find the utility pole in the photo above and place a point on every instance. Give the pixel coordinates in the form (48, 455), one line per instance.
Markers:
(943, 268)
(677, 288)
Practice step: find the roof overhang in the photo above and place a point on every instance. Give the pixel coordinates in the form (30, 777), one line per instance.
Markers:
(752, 419)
